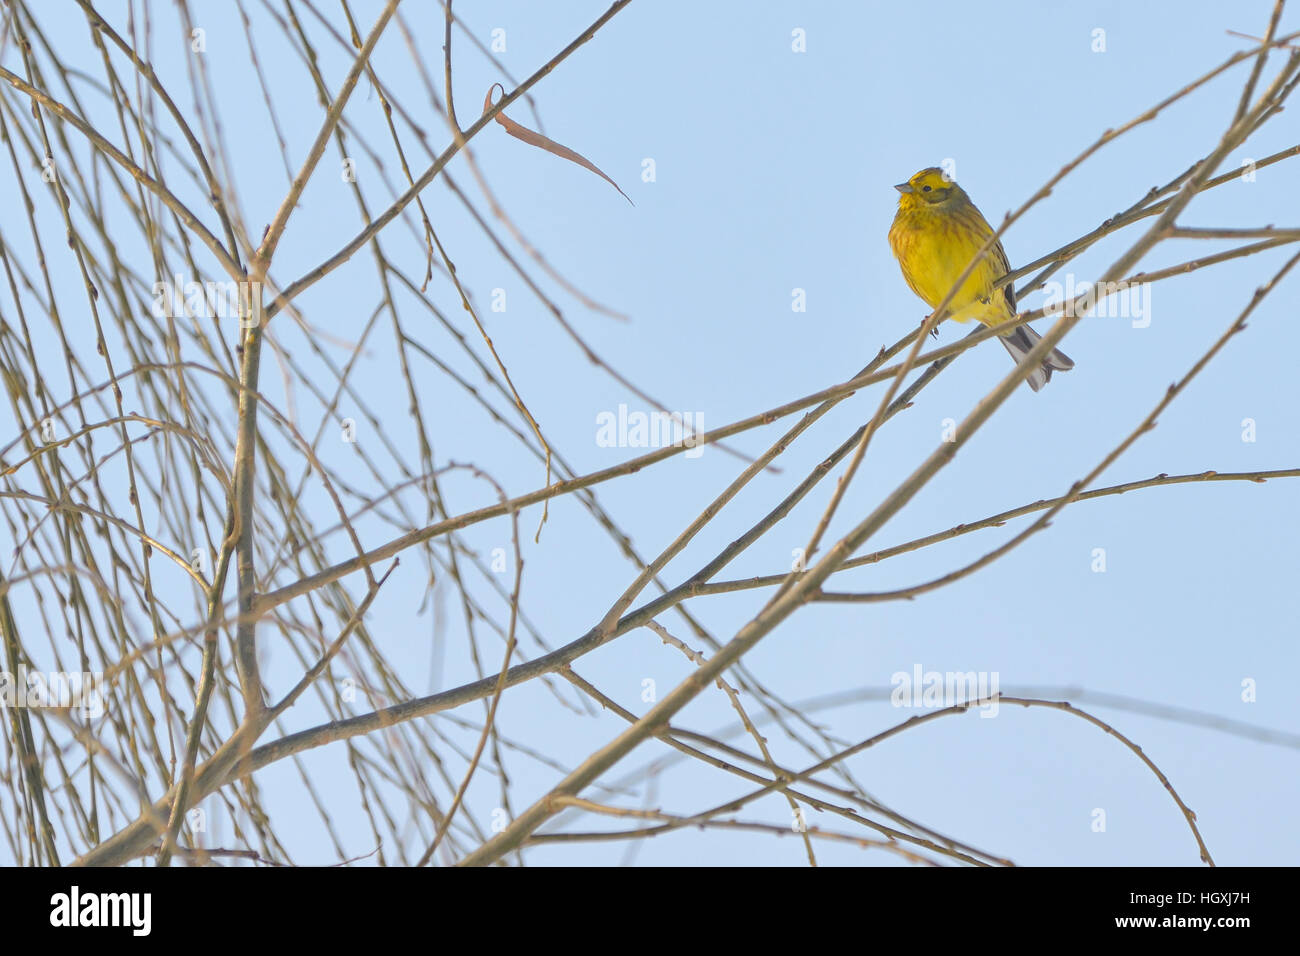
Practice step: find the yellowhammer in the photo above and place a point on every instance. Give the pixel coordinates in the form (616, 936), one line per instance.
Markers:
(935, 235)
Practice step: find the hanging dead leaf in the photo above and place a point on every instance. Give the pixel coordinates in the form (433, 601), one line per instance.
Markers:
(542, 142)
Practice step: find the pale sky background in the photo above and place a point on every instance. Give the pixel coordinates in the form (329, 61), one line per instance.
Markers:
(774, 171)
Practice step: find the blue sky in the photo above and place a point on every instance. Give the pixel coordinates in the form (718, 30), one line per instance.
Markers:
(774, 172)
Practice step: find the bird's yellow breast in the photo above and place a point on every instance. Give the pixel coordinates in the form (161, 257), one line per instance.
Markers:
(934, 246)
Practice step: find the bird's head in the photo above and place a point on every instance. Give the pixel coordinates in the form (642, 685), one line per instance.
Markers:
(929, 187)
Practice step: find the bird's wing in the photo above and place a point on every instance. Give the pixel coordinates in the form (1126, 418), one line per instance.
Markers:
(1004, 266)
(998, 258)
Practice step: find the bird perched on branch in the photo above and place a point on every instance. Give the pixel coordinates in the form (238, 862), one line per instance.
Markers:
(935, 235)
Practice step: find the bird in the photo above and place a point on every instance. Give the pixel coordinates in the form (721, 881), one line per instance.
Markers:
(935, 234)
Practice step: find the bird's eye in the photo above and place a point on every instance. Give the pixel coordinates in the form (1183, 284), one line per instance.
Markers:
(925, 189)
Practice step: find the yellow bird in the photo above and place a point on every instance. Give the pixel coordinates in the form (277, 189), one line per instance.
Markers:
(935, 235)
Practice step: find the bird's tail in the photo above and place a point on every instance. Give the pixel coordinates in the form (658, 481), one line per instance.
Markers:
(1019, 342)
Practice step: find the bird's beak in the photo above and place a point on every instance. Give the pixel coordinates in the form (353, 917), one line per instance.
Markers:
(904, 188)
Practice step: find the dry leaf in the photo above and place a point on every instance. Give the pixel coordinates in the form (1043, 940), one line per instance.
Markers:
(550, 145)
